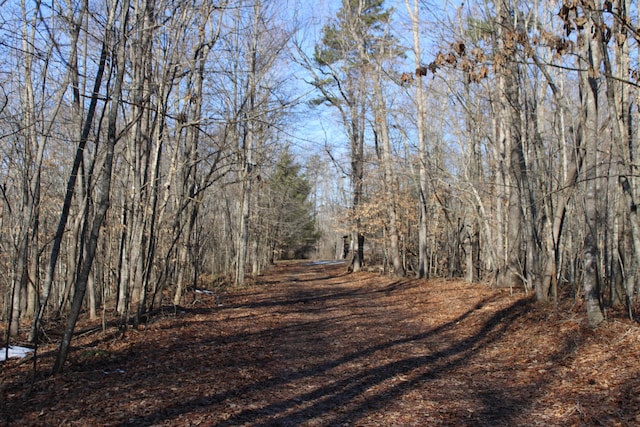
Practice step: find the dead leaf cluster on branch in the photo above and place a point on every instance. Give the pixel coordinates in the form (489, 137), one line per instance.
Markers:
(475, 63)
(473, 66)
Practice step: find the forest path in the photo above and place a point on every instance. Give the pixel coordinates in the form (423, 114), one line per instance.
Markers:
(310, 345)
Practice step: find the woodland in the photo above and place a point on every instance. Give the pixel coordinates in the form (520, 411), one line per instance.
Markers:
(155, 150)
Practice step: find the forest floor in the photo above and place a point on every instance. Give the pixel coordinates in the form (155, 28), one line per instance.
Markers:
(309, 345)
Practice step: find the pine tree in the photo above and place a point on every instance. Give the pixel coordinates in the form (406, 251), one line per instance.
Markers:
(292, 224)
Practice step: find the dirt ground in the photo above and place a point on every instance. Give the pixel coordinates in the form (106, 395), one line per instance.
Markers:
(309, 345)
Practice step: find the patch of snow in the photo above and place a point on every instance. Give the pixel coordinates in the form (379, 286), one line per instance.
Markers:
(14, 352)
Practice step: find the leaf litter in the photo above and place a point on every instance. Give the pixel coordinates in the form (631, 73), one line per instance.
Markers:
(309, 345)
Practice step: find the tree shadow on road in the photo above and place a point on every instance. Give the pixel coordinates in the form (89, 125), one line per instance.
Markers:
(341, 400)
(326, 352)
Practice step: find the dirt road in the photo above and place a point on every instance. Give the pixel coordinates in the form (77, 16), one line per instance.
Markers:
(312, 346)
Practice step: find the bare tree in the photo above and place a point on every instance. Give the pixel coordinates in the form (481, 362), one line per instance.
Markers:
(342, 70)
(421, 107)
(381, 128)
(104, 178)
(87, 127)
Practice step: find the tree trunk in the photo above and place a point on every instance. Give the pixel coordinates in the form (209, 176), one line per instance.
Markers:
(26, 263)
(513, 177)
(589, 64)
(571, 165)
(71, 183)
(388, 177)
(249, 141)
(421, 107)
(357, 180)
(103, 190)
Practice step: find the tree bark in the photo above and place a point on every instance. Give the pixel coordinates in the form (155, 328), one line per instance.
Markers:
(421, 107)
(589, 60)
(248, 147)
(71, 183)
(389, 177)
(103, 189)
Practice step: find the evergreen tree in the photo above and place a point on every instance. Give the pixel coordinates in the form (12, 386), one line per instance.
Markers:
(292, 224)
(355, 36)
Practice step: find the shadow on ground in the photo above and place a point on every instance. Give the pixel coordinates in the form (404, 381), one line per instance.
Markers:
(325, 349)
